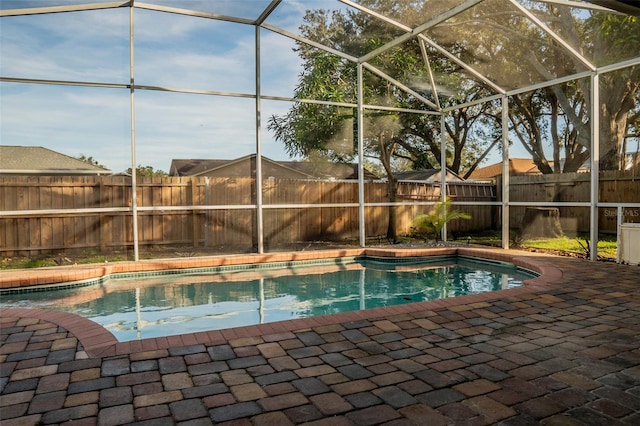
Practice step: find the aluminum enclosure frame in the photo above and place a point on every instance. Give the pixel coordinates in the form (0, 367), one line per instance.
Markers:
(593, 73)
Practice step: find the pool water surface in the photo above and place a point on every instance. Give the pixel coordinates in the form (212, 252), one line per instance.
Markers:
(137, 307)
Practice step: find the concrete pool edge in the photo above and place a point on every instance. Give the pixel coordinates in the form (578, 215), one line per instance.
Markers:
(98, 342)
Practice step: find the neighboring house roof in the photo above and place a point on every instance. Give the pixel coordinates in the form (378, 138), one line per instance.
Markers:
(36, 160)
(428, 175)
(194, 167)
(517, 166)
(327, 170)
(277, 169)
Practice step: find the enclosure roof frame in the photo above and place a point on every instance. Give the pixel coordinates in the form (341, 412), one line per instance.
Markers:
(409, 33)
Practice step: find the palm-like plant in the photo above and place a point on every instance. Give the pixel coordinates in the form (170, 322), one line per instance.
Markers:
(439, 215)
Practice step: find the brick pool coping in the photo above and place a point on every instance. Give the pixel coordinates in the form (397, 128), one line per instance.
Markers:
(99, 342)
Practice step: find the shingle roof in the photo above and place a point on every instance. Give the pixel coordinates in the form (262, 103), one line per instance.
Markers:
(36, 160)
(517, 166)
(194, 167)
(425, 175)
(327, 170)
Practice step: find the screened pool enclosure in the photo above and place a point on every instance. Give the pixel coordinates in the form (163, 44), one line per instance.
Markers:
(183, 128)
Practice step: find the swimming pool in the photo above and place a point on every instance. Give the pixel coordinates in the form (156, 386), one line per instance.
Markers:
(137, 306)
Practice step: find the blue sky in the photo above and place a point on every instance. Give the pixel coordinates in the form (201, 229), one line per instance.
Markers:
(171, 51)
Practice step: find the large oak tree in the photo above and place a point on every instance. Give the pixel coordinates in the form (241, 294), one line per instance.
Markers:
(312, 130)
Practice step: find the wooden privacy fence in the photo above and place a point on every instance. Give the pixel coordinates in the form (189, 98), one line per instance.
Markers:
(85, 212)
(614, 187)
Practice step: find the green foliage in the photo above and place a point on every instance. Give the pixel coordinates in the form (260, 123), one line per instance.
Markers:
(389, 135)
(433, 222)
(9, 263)
(90, 160)
(620, 34)
(146, 171)
(58, 259)
(375, 168)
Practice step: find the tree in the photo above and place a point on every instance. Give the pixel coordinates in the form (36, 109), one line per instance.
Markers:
(538, 119)
(563, 111)
(389, 136)
(471, 132)
(612, 37)
(515, 52)
(90, 160)
(146, 171)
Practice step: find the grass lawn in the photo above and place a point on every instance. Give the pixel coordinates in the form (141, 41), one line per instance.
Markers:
(606, 246)
(606, 251)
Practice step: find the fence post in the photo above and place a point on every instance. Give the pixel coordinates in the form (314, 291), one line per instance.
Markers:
(101, 220)
(194, 212)
(207, 214)
(619, 221)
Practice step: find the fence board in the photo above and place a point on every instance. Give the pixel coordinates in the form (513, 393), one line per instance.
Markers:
(614, 187)
(235, 228)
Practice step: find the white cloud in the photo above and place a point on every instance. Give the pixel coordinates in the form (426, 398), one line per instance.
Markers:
(57, 47)
(170, 50)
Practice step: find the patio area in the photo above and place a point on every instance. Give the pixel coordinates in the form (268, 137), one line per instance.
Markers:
(564, 350)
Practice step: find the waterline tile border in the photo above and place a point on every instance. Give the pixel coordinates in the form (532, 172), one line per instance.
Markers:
(262, 266)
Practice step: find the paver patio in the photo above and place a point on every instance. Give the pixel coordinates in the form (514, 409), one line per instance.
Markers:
(563, 353)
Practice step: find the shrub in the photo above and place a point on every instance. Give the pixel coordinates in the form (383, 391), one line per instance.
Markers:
(431, 223)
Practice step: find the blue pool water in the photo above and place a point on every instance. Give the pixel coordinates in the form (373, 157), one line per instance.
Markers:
(153, 306)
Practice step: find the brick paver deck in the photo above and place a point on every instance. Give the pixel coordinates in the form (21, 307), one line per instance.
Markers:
(564, 350)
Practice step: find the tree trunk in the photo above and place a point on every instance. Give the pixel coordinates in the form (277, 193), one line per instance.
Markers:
(541, 222)
(612, 131)
(617, 99)
(392, 186)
